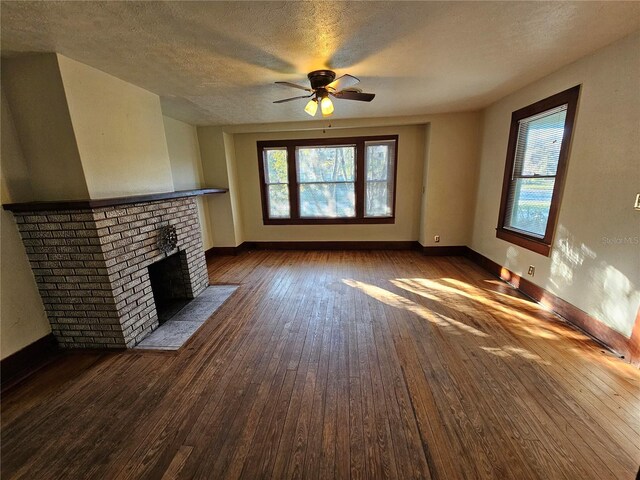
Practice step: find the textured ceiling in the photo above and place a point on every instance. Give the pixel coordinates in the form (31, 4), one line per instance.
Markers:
(215, 62)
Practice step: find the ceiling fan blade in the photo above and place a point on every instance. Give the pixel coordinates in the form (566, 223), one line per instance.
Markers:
(351, 95)
(289, 84)
(293, 98)
(340, 83)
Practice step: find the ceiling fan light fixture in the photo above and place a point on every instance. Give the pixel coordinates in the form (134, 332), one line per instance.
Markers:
(324, 83)
(326, 106)
(312, 107)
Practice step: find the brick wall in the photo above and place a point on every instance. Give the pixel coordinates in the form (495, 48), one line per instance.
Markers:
(91, 267)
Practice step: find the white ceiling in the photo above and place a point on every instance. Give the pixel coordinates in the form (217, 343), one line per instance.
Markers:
(215, 62)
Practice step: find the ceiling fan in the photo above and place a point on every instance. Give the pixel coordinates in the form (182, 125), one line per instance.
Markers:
(324, 84)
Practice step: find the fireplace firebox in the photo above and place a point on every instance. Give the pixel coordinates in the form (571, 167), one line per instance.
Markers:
(169, 286)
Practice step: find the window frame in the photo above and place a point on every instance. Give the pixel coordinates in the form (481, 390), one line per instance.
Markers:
(520, 238)
(294, 188)
(267, 184)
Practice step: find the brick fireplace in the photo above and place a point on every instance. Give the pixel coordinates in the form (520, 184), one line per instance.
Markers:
(91, 263)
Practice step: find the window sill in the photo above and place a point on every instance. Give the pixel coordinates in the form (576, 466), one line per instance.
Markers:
(530, 243)
(329, 221)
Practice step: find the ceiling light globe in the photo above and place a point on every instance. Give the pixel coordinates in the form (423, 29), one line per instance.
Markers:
(326, 105)
(312, 107)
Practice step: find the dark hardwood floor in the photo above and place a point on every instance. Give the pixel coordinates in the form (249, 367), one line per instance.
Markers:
(339, 365)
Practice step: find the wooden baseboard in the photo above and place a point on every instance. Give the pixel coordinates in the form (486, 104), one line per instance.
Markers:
(451, 250)
(628, 348)
(215, 251)
(329, 245)
(445, 251)
(334, 245)
(26, 361)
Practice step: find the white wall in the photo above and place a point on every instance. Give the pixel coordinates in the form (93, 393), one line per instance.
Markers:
(595, 257)
(119, 132)
(186, 166)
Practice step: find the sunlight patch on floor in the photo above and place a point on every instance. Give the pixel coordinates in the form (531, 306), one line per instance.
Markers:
(530, 324)
(450, 325)
(397, 301)
(524, 321)
(508, 351)
(406, 284)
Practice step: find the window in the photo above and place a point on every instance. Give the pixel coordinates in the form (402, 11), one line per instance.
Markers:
(537, 153)
(325, 181)
(277, 182)
(379, 185)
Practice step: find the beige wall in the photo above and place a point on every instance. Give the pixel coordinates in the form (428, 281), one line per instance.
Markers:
(16, 181)
(184, 154)
(451, 178)
(84, 133)
(36, 97)
(216, 167)
(409, 181)
(452, 160)
(234, 186)
(595, 258)
(22, 316)
(119, 132)
(186, 166)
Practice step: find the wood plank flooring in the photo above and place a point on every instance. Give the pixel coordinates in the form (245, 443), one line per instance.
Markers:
(362, 365)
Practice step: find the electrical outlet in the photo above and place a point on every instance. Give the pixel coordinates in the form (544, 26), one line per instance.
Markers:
(637, 204)
(532, 270)
(436, 238)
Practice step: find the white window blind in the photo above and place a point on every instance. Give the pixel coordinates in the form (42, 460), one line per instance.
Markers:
(534, 171)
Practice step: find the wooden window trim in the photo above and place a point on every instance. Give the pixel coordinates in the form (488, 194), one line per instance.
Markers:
(294, 191)
(522, 239)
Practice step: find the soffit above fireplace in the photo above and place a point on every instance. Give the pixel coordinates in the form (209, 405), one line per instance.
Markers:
(108, 202)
